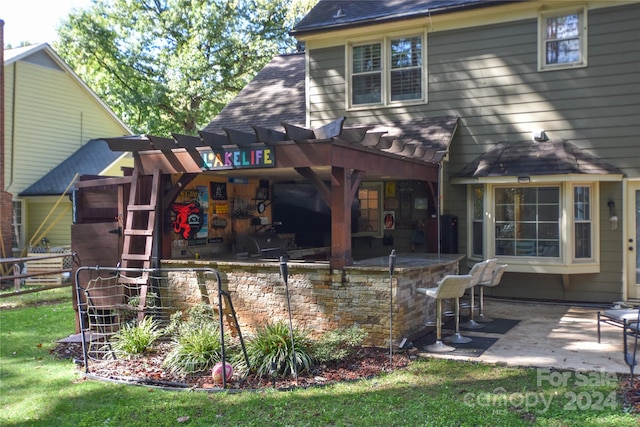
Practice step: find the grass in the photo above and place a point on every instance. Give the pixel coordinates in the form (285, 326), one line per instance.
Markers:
(38, 390)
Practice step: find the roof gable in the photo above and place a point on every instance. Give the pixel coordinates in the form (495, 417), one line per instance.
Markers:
(43, 54)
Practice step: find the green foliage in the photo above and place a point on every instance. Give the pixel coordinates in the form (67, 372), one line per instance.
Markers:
(171, 65)
(199, 314)
(37, 389)
(151, 300)
(197, 348)
(133, 340)
(338, 344)
(271, 353)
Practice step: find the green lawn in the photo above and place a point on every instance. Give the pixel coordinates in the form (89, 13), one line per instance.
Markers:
(38, 390)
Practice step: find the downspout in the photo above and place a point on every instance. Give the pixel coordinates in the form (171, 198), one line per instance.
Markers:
(12, 138)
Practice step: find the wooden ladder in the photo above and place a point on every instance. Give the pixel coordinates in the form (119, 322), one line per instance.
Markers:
(138, 234)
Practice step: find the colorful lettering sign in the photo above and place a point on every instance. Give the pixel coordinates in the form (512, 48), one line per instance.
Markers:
(240, 158)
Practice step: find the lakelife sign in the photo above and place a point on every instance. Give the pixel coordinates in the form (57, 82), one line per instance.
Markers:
(240, 158)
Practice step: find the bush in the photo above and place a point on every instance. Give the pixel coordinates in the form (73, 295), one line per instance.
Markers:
(198, 315)
(338, 344)
(270, 350)
(132, 340)
(197, 348)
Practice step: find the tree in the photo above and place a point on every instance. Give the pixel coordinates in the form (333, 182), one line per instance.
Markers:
(171, 65)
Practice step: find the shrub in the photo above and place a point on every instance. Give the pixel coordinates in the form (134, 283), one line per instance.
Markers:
(133, 340)
(197, 348)
(270, 350)
(199, 314)
(338, 344)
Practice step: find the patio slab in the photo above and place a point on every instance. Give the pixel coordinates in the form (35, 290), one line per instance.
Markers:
(552, 336)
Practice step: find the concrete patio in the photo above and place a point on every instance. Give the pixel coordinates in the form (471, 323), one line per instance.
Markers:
(549, 336)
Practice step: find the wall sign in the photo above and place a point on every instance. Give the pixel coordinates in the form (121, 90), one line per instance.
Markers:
(188, 219)
(240, 158)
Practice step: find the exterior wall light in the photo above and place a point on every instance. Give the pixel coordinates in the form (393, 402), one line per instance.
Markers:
(612, 215)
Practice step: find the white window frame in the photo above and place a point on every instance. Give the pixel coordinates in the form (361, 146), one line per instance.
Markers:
(566, 262)
(386, 70)
(577, 221)
(376, 233)
(582, 36)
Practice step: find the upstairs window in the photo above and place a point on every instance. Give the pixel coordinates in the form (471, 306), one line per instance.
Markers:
(562, 39)
(387, 72)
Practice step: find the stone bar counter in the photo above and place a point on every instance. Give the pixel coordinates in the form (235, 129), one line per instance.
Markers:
(323, 299)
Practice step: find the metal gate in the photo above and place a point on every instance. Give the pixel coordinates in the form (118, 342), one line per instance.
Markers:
(108, 299)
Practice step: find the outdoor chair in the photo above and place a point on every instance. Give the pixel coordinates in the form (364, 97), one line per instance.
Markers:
(496, 276)
(616, 317)
(476, 272)
(631, 329)
(451, 286)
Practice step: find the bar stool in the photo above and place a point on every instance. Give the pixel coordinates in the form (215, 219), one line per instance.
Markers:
(451, 286)
(476, 273)
(494, 281)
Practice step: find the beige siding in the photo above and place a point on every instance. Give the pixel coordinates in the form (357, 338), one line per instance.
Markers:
(54, 116)
(45, 219)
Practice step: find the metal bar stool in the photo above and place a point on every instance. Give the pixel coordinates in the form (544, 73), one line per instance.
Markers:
(476, 273)
(494, 281)
(451, 286)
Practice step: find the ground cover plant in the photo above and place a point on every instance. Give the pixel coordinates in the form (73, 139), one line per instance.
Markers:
(38, 389)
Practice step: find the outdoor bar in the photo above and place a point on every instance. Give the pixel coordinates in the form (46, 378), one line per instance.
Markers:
(332, 201)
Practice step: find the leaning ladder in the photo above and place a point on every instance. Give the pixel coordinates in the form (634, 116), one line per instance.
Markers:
(137, 246)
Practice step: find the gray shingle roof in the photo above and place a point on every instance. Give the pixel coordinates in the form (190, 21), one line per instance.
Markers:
(529, 158)
(90, 159)
(275, 95)
(328, 15)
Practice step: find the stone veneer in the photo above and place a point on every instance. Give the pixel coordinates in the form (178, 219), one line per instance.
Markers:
(320, 299)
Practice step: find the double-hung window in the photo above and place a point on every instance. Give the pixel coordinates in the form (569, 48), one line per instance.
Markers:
(387, 71)
(562, 39)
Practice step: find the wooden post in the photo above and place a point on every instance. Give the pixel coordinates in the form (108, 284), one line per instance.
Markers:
(16, 281)
(340, 219)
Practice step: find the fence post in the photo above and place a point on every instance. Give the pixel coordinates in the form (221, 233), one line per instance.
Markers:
(16, 281)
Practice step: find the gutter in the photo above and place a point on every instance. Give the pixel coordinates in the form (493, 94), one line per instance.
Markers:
(324, 28)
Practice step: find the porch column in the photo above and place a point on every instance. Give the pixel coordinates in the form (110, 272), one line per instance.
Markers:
(341, 199)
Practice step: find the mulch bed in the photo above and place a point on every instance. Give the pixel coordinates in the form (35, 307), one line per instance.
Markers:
(365, 362)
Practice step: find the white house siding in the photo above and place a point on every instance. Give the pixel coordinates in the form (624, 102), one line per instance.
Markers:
(488, 76)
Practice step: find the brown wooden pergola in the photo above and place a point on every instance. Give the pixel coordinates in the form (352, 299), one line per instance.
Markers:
(341, 156)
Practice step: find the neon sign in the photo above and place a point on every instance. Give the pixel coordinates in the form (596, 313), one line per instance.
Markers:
(240, 158)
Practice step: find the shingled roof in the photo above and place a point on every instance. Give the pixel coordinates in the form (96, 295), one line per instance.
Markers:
(275, 95)
(271, 110)
(90, 159)
(329, 15)
(531, 158)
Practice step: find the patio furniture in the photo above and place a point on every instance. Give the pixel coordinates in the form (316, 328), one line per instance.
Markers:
(476, 273)
(616, 317)
(631, 329)
(451, 286)
(496, 276)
